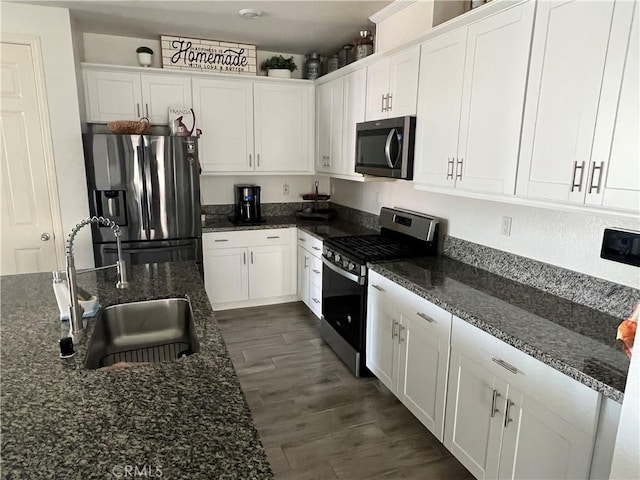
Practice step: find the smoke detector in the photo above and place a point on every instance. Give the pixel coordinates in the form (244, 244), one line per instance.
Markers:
(250, 13)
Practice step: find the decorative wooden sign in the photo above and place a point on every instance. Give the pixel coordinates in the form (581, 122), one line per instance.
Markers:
(208, 55)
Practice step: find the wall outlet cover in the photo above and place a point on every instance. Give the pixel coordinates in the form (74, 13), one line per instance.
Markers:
(285, 189)
(505, 228)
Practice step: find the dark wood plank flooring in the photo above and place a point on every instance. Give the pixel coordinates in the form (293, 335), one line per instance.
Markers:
(316, 420)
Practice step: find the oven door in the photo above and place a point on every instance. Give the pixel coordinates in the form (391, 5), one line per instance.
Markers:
(343, 303)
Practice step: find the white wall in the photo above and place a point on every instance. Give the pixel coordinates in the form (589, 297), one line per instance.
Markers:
(118, 50)
(53, 27)
(569, 240)
(218, 190)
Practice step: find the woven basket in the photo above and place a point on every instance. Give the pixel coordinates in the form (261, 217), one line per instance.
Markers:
(129, 127)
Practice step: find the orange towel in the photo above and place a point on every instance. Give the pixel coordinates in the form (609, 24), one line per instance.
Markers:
(627, 331)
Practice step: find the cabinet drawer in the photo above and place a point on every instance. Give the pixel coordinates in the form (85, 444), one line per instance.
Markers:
(246, 238)
(310, 243)
(568, 398)
(316, 271)
(315, 299)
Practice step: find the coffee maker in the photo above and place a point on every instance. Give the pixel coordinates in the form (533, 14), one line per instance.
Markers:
(247, 205)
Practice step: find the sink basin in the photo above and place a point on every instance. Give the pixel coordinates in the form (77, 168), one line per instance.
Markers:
(151, 331)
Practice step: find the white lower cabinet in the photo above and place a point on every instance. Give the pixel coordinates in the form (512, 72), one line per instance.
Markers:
(249, 268)
(408, 349)
(511, 416)
(310, 272)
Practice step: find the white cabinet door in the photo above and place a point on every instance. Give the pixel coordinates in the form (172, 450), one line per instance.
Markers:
(382, 332)
(475, 407)
(355, 97)
(268, 271)
(377, 90)
(622, 177)
(282, 128)
(226, 275)
(159, 92)
(303, 276)
(337, 108)
(423, 368)
(439, 102)
(329, 126)
(224, 112)
(565, 76)
(495, 76)
(113, 96)
(403, 82)
(538, 443)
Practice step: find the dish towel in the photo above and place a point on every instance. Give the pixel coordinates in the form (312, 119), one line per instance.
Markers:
(627, 331)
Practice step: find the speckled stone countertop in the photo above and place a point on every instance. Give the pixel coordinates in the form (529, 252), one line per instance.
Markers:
(188, 418)
(320, 229)
(574, 339)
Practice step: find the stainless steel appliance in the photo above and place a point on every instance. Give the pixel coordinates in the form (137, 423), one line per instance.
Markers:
(247, 205)
(344, 277)
(150, 187)
(384, 148)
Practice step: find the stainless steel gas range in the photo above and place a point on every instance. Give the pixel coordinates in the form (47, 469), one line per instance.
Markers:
(402, 234)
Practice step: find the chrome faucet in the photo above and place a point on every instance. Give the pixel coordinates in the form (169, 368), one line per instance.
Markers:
(75, 310)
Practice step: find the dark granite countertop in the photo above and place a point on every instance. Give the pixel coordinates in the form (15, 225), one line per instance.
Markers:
(188, 418)
(321, 229)
(574, 339)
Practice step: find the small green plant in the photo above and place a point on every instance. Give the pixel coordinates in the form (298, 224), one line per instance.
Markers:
(278, 61)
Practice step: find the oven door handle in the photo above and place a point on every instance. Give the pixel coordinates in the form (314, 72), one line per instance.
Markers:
(351, 276)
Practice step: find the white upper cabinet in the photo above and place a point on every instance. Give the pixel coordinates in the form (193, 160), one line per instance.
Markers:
(283, 127)
(392, 85)
(577, 63)
(330, 107)
(159, 92)
(129, 96)
(355, 85)
(113, 96)
(224, 112)
(470, 101)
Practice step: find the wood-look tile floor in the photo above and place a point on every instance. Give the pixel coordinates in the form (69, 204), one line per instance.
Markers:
(315, 419)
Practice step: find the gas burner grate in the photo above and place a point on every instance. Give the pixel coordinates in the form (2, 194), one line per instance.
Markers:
(373, 247)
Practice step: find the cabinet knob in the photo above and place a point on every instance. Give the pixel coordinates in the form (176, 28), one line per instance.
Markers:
(45, 237)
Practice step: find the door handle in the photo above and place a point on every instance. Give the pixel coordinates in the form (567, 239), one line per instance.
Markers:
(317, 272)
(380, 289)
(244, 258)
(494, 410)
(459, 163)
(507, 420)
(315, 300)
(272, 237)
(593, 174)
(382, 103)
(389, 102)
(449, 168)
(306, 262)
(577, 184)
(258, 158)
(505, 365)
(146, 109)
(221, 240)
(138, 109)
(249, 159)
(45, 237)
(425, 317)
(393, 330)
(302, 239)
(316, 248)
(252, 258)
(400, 339)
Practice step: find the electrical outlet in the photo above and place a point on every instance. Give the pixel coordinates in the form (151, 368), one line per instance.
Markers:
(505, 229)
(285, 189)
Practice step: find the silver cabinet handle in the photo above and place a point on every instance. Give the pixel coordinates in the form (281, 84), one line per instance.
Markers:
(494, 410)
(317, 272)
(244, 258)
(505, 365)
(249, 159)
(272, 237)
(449, 168)
(380, 289)
(45, 237)
(315, 300)
(459, 162)
(306, 262)
(425, 316)
(382, 104)
(258, 158)
(138, 109)
(507, 420)
(252, 258)
(302, 239)
(400, 339)
(393, 329)
(221, 240)
(593, 174)
(577, 184)
(146, 109)
(316, 248)
(389, 102)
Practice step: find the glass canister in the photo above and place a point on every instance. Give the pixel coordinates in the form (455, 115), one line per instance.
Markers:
(312, 66)
(345, 55)
(332, 64)
(364, 44)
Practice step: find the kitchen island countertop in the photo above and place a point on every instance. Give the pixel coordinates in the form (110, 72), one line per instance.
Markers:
(187, 419)
(574, 339)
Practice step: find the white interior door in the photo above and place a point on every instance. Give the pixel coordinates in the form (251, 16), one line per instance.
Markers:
(28, 243)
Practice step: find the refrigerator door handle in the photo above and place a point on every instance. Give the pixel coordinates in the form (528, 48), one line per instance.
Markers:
(148, 184)
(143, 201)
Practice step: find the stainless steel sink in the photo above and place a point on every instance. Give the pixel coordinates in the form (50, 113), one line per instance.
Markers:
(151, 331)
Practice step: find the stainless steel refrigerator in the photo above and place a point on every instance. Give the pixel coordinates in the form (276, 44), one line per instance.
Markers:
(150, 186)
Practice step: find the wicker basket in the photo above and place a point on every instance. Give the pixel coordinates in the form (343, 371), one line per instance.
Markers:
(129, 127)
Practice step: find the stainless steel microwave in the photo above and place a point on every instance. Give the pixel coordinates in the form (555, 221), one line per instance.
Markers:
(384, 148)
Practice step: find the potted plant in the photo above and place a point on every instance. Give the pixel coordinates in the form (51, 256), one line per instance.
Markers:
(145, 56)
(278, 66)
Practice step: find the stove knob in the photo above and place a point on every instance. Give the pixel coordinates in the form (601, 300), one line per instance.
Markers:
(337, 257)
(351, 266)
(329, 253)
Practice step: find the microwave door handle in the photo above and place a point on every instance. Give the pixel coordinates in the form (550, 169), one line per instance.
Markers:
(387, 147)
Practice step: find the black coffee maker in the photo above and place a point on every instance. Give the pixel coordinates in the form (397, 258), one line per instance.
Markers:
(247, 204)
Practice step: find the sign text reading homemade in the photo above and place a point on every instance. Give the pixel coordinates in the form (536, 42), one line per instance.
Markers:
(208, 55)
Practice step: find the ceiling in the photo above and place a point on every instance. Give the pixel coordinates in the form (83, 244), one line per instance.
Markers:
(300, 26)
